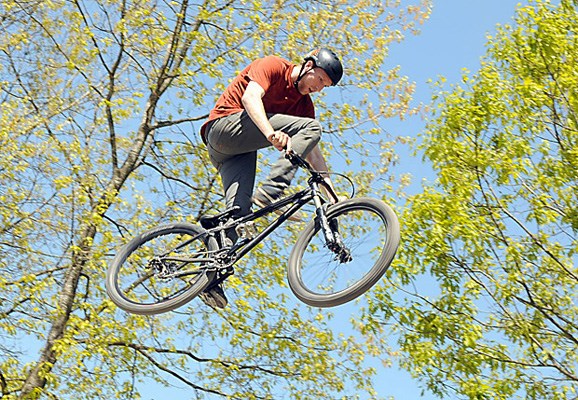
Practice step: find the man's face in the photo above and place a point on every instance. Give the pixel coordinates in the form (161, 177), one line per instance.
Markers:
(314, 80)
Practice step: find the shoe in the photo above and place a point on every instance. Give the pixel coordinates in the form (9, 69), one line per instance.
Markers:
(262, 199)
(214, 297)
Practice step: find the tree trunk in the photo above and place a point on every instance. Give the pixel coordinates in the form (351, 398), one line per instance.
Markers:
(37, 376)
(36, 379)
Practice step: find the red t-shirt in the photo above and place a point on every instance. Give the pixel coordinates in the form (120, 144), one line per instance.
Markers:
(273, 74)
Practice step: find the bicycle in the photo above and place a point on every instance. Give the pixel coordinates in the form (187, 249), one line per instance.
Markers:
(341, 253)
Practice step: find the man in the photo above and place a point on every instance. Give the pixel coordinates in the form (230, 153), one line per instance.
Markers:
(268, 103)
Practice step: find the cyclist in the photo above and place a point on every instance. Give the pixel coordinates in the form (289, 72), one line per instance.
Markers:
(268, 103)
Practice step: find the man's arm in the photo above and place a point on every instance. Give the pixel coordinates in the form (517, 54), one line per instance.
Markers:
(253, 103)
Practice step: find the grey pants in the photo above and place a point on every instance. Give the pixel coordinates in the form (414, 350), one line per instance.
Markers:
(233, 142)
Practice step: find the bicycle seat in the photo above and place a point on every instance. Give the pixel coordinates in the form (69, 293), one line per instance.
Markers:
(212, 221)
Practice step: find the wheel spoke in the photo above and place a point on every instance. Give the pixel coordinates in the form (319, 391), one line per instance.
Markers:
(161, 269)
(368, 236)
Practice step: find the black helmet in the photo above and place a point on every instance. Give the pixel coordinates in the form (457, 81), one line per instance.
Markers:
(327, 61)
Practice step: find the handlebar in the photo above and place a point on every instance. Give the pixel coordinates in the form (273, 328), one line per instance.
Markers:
(296, 159)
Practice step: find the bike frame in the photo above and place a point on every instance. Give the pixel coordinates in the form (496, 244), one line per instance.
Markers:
(297, 201)
(225, 257)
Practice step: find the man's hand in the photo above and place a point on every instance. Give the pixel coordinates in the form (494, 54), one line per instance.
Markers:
(280, 140)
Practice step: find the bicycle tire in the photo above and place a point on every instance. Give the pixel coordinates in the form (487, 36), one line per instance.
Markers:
(134, 296)
(318, 286)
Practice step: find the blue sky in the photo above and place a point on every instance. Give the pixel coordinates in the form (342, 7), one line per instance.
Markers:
(452, 39)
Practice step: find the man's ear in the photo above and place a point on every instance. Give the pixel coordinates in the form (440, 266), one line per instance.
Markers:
(309, 65)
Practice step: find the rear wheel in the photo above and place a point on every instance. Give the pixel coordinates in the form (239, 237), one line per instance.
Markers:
(368, 238)
(161, 269)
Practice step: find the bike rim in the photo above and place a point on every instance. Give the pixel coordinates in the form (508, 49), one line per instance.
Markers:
(156, 273)
(363, 231)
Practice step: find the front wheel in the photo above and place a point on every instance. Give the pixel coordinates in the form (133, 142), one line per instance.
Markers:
(367, 232)
(161, 269)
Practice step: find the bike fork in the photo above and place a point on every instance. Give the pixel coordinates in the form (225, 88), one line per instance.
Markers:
(321, 217)
(330, 228)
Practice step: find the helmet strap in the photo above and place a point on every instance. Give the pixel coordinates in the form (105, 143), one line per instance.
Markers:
(301, 73)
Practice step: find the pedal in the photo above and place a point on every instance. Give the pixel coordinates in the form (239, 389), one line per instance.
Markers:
(227, 272)
(222, 274)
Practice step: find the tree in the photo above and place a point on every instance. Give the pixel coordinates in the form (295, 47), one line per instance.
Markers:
(100, 108)
(489, 265)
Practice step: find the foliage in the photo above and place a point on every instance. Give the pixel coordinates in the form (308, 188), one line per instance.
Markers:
(489, 259)
(100, 107)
